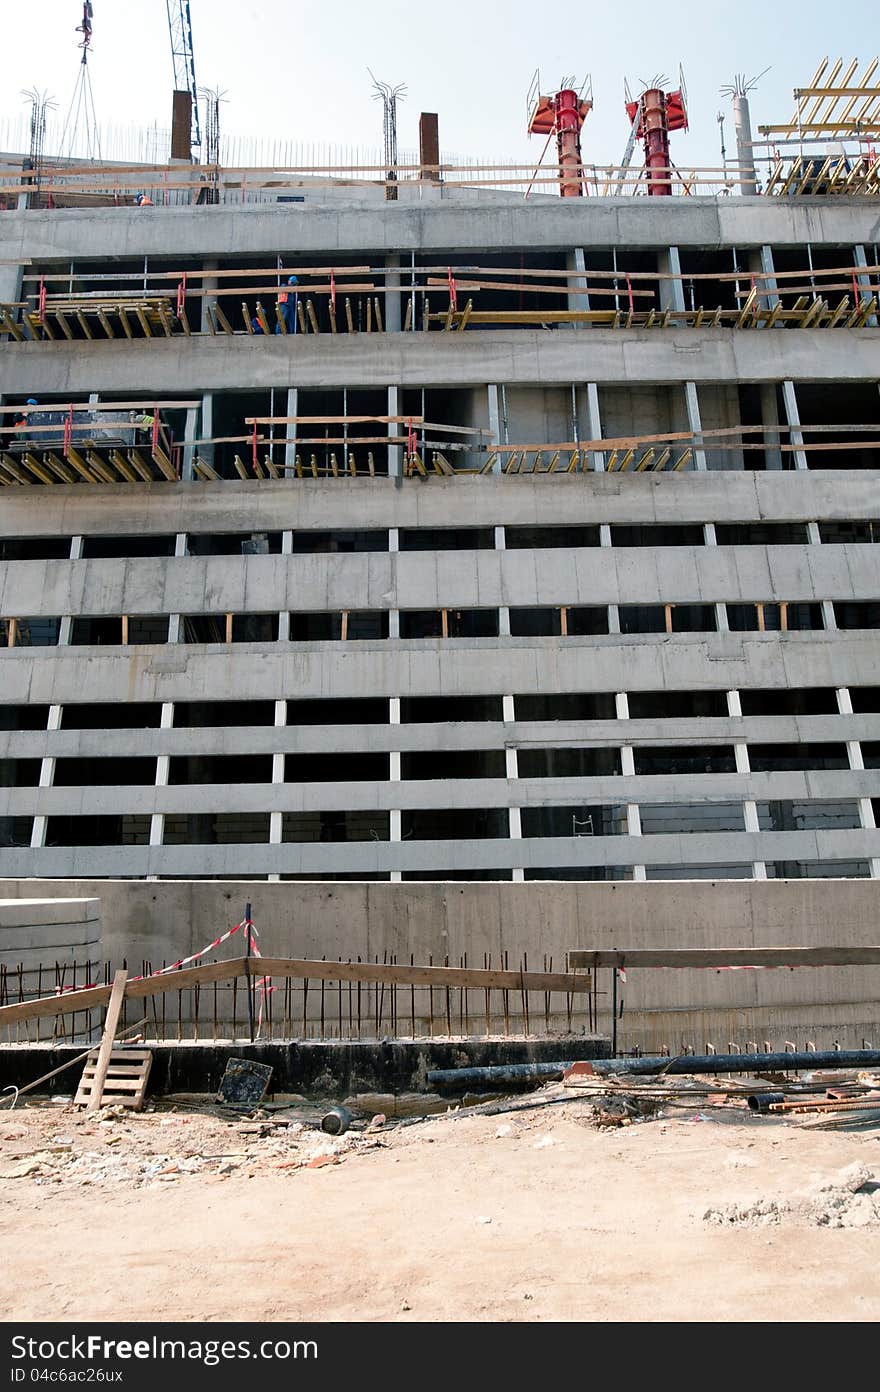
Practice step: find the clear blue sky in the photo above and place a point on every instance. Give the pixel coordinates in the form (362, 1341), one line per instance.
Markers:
(297, 71)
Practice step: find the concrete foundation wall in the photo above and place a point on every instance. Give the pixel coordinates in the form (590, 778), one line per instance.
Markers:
(170, 920)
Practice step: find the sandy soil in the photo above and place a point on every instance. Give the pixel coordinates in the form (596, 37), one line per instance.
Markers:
(529, 1216)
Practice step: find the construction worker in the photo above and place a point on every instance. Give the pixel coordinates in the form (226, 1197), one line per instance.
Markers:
(286, 306)
(143, 200)
(20, 420)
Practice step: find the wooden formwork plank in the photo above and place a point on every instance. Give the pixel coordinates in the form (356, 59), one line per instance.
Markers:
(111, 1024)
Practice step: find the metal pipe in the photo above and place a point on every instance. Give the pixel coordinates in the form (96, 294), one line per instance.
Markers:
(691, 1063)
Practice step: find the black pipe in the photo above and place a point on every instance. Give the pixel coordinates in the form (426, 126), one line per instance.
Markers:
(762, 1101)
(691, 1063)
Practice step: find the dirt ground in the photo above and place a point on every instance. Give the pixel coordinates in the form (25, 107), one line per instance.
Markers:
(528, 1215)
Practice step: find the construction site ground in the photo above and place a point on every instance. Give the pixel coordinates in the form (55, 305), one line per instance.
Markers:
(186, 1211)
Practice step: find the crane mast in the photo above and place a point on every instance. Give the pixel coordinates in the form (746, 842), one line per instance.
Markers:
(180, 30)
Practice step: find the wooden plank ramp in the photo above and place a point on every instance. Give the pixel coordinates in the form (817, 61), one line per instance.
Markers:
(125, 1083)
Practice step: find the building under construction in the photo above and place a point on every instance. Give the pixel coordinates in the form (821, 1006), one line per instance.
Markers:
(422, 524)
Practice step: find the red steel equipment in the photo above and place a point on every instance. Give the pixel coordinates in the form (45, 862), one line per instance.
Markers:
(658, 113)
(563, 113)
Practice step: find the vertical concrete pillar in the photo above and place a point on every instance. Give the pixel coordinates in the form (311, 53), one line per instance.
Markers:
(763, 262)
(284, 616)
(207, 451)
(394, 817)
(392, 294)
(793, 419)
(594, 425)
(860, 259)
(189, 448)
(10, 289)
(695, 423)
(290, 431)
(496, 429)
(578, 299)
(209, 286)
(275, 817)
(503, 609)
(163, 763)
(750, 810)
(512, 772)
(394, 614)
(745, 153)
(671, 291)
(395, 452)
(770, 422)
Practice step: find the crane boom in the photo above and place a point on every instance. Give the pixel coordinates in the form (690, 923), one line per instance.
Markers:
(180, 30)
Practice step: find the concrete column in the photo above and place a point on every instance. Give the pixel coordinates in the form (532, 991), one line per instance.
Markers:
(503, 609)
(769, 297)
(770, 421)
(394, 614)
(671, 291)
(394, 817)
(392, 294)
(750, 810)
(207, 451)
(163, 763)
(829, 620)
(290, 431)
(10, 289)
(861, 259)
(173, 628)
(710, 539)
(578, 299)
(495, 424)
(745, 154)
(64, 630)
(189, 448)
(395, 452)
(695, 423)
(275, 822)
(793, 418)
(594, 425)
(512, 771)
(209, 284)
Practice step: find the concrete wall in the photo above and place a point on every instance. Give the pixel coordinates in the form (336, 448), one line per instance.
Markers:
(169, 920)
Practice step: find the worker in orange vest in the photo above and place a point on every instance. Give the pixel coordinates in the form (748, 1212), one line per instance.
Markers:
(286, 304)
(143, 200)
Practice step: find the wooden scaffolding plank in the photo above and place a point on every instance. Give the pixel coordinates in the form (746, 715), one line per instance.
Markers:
(111, 1025)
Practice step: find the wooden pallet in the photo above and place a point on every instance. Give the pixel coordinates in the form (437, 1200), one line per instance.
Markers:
(126, 1081)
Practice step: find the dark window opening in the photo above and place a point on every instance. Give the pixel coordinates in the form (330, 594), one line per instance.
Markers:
(34, 548)
(113, 547)
(147, 629)
(585, 620)
(316, 543)
(336, 768)
(98, 831)
(104, 773)
(449, 623)
(315, 628)
(23, 717)
(761, 533)
(871, 754)
(642, 618)
(233, 543)
(541, 538)
(676, 705)
(97, 632)
(335, 826)
(453, 763)
(684, 759)
(658, 534)
(535, 623)
(851, 531)
(566, 706)
(574, 821)
(818, 870)
(20, 773)
(780, 758)
(443, 876)
(808, 816)
(417, 710)
(215, 829)
(199, 714)
(16, 831)
(568, 763)
(690, 818)
(855, 614)
(220, 768)
(865, 699)
(454, 824)
(367, 710)
(698, 872)
(787, 617)
(579, 872)
(815, 700)
(446, 538)
(111, 715)
(29, 633)
(229, 628)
